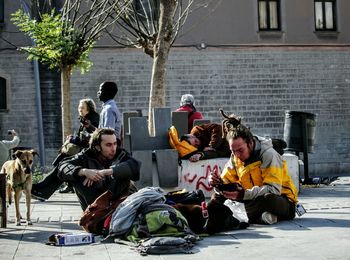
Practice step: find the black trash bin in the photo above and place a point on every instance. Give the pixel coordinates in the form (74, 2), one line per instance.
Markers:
(299, 134)
(296, 125)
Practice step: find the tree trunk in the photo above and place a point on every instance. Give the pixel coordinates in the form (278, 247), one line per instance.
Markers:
(65, 102)
(161, 53)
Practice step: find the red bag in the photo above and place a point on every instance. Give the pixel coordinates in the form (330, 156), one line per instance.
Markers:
(95, 214)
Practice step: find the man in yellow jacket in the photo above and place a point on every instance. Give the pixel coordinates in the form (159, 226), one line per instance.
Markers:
(257, 176)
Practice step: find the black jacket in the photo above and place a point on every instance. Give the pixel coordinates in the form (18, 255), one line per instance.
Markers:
(124, 167)
(84, 132)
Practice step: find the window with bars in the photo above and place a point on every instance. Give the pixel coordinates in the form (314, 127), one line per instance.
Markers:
(269, 15)
(3, 94)
(325, 15)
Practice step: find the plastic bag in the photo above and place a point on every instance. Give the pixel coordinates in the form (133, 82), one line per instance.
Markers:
(238, 210)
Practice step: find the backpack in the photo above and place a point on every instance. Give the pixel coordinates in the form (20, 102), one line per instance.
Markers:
(165, 245)
(158, 220)
(96, 213)
(184, 149)
(162, 245)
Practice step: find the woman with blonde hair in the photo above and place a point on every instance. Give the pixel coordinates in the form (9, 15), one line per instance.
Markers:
(89, 120)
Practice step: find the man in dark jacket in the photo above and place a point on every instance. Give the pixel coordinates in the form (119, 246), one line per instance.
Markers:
(207, 138)
(101, 167)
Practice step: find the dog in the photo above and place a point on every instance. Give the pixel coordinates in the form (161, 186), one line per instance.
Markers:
(194, 215)
(19, 178)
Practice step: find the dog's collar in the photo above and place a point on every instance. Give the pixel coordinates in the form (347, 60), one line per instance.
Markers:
(205, 213)
(19, 185)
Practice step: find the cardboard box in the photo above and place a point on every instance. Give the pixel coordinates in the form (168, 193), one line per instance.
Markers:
(71, 239)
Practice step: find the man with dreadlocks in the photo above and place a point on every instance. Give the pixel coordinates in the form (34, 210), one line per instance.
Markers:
(260, 177)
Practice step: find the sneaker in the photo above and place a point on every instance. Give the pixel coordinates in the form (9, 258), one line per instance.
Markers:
(268, 218)
(38, 195)
(66, 189)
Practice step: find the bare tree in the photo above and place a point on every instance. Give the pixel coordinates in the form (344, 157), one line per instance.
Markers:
(64, 38)
(154, 25)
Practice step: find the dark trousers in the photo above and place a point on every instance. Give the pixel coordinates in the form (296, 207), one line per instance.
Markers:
(275, 204)
(220, 216)
(51, 183)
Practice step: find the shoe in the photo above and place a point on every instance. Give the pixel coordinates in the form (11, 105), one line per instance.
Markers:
(66, 189)
(268, 218)
(38, 195)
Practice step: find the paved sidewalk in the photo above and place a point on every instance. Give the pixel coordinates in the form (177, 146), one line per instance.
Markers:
(322, 233)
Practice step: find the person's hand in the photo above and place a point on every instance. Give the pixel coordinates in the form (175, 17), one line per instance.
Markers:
(236, 195)
(195, 158)
(88, 183)
(91, 176)
(214, 178)
(106, 172)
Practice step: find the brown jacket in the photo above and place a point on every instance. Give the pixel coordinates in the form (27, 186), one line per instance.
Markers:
(210, 135)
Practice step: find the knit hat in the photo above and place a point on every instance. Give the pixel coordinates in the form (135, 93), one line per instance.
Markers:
(187, 99)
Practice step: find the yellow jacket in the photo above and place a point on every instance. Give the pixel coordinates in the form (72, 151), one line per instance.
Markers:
(264, 172)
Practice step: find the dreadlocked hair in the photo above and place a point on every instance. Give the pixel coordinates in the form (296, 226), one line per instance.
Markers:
(229, 123)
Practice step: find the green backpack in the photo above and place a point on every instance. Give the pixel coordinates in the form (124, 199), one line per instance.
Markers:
(158, 220)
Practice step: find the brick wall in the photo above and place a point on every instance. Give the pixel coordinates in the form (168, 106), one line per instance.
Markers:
(21, 113)
(256, 83)
(51, 110)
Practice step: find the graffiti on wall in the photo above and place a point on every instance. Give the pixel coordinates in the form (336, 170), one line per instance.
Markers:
(195, 175)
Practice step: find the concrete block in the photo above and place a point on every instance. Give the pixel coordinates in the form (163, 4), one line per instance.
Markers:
(167, 167)
(139, 135)
(145, 157)
(180, 121)
(126, 116)
(161, 121)
(127, 143)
